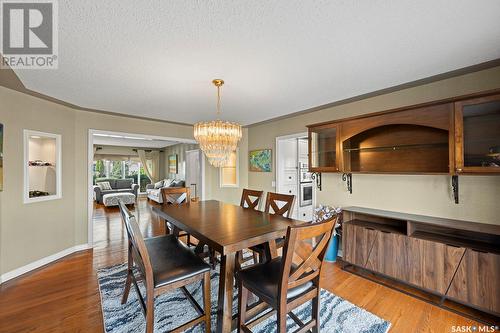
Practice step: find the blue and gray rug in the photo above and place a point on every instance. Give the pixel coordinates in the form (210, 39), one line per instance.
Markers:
(173, 309)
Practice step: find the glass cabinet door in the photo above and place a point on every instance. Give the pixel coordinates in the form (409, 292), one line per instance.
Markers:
(478, 131)
(323, 152)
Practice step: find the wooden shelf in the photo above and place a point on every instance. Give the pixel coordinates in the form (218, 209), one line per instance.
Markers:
(393, 229)
(398, 147)
(457, 241)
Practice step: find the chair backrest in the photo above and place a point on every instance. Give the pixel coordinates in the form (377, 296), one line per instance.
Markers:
(247, 201)
(311, 258)
(273, 200)
(167, 191)
(137, 246)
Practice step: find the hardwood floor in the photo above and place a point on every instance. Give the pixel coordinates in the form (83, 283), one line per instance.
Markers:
(64, 296)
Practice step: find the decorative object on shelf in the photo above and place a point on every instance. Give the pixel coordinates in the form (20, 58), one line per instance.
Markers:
(39, 163)
(217, 138)
(1, 157)
(260, 160)
(173, 164)
(454, 187)
(317, 177)
(347, 177)
(35, 194)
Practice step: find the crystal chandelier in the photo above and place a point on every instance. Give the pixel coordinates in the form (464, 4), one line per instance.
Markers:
(217, 138)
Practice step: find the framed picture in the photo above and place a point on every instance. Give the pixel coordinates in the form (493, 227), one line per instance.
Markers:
(260, 160)
(172, 163)
(1, 157)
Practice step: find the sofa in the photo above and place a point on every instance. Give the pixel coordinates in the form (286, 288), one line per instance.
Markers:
(117, 186)
(153, 191)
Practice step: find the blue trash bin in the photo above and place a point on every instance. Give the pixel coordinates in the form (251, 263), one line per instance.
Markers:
(333, 249)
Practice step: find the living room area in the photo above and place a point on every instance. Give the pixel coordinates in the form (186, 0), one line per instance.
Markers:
(134, 169)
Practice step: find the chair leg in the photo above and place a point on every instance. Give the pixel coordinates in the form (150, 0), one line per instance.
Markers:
(206, 301)
(242, 305)
(315, 312)
(150, 312)
(128, 283)
(281, 314)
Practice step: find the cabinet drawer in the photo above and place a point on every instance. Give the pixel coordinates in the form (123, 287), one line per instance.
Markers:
(305, 214)
(431, 265)
(389, 255)
(289, 189)
(290, 177)
(477, 282)
(357, 242)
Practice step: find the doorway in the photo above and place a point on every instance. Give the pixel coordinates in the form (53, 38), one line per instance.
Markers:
(195, 173)
(134, 142)
(292, 174)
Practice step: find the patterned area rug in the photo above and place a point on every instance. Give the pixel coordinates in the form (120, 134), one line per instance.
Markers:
(173, 309)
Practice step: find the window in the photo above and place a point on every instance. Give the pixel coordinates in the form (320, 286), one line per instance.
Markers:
(121, 170)
(229, 174)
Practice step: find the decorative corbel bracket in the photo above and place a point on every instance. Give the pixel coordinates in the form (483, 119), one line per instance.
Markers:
(317, 177)
(347, 177)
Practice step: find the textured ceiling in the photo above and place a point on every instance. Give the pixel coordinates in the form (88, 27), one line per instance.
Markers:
(157, 58)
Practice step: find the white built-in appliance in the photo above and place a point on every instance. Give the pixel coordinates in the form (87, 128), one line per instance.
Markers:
(305, 194)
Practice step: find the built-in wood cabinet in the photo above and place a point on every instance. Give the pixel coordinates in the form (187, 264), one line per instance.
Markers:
(453, 136)
(477, 135)
(477, 281)
(456, 260)
(323, 148)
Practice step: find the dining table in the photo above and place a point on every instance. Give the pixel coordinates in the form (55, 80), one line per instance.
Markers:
(227, 229)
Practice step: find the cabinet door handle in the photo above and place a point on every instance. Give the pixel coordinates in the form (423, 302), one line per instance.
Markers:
(459, 170)
(289, 191)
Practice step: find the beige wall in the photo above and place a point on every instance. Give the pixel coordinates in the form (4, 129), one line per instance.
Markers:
(231, 195)
(35, 231)
(179, 149)
(430, 195)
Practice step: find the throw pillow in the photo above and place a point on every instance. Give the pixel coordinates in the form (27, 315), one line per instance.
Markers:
(159, 184)
(167, 182)
(105, 186)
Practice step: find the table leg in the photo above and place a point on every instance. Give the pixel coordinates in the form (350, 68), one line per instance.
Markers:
(225, 305)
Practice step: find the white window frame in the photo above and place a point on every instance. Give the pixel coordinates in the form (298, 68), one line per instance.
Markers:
(221, 185)
(58, 167)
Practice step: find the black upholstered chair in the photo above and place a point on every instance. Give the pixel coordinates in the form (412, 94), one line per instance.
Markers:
(163, 263)
(279, 204)
(283, 284)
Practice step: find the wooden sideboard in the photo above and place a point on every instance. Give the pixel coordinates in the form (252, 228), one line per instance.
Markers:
(456, 260)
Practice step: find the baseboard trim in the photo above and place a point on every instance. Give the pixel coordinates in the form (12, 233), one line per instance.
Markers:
(41, 262)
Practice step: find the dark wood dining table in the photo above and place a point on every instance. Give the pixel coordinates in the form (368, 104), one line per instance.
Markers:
(227, 229)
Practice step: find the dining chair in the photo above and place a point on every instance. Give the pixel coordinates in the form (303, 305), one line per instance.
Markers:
(283, 284)
(278, 204)
(168, 195)
(163, 263)
(176, 196)
(250, 199)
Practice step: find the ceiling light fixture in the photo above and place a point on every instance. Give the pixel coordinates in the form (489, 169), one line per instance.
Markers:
(217, 138)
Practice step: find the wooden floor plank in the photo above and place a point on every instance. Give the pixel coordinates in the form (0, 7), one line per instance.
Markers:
(64, 296)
